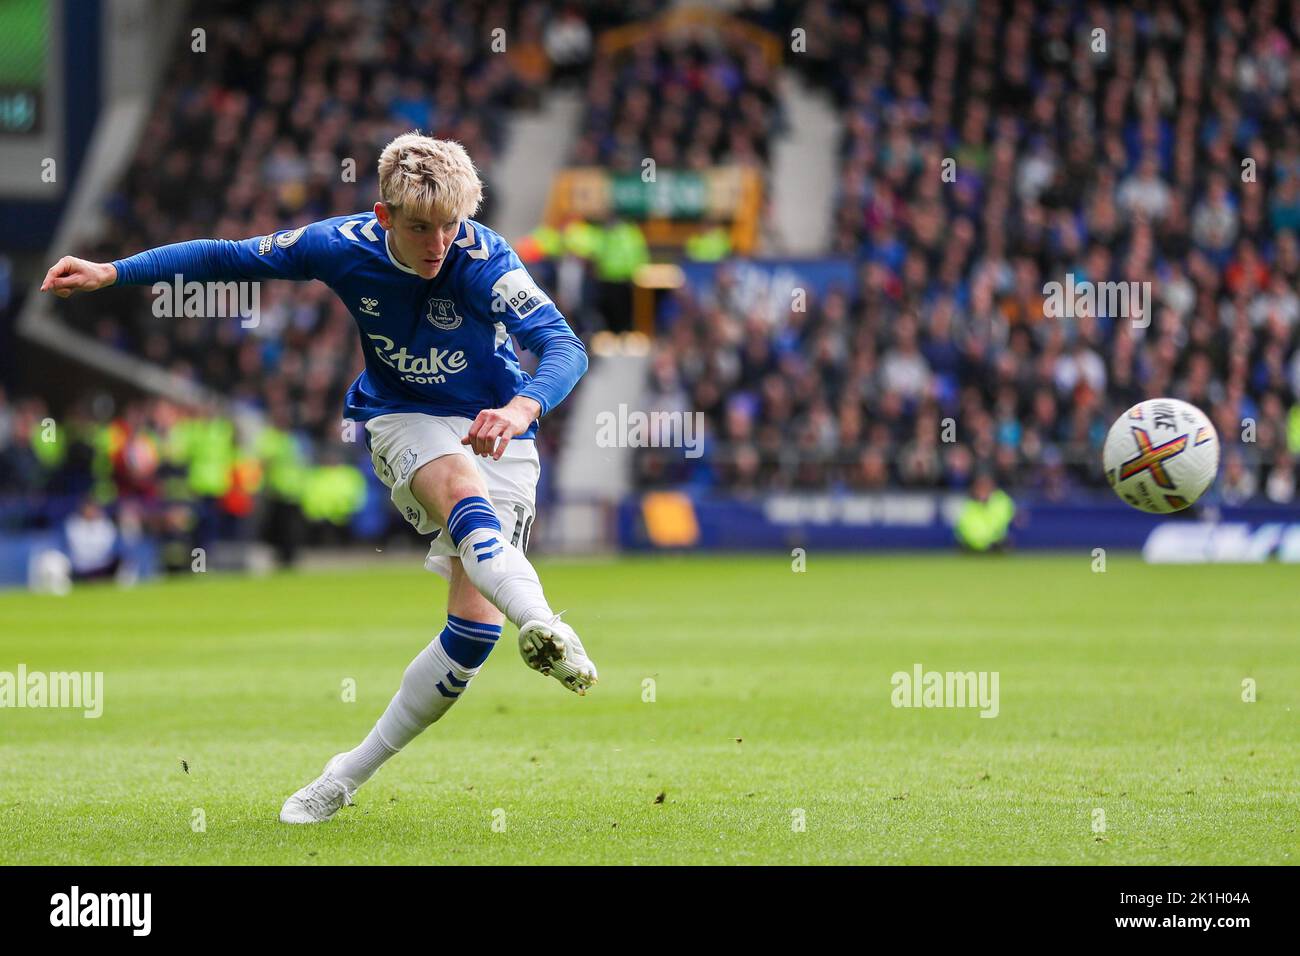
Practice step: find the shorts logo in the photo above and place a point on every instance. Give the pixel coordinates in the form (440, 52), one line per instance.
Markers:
(413, 516)
(406, 462)
(442, 314)
(285, 239)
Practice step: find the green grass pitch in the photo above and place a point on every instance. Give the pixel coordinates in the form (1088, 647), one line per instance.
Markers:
(1120, 692)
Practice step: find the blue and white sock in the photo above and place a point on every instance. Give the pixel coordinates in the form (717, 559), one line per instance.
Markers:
(496, 567)
(434, 681)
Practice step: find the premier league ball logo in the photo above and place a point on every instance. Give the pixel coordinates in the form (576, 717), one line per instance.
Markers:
(442, 313)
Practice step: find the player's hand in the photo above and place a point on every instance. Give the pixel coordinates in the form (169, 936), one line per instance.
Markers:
(71, 274)
(494, 427)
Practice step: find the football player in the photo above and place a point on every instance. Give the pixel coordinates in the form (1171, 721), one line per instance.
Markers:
(449, 416)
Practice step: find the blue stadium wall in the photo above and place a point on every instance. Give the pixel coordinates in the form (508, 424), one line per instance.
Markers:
(686, 520)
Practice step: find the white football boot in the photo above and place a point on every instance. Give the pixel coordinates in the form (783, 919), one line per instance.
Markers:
(320, 799)
(552, 647)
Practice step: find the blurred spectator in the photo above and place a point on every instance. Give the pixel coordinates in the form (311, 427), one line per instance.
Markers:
(92, 543)
(984, 521)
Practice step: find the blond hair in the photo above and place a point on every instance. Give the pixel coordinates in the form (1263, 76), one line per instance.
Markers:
(429, 179)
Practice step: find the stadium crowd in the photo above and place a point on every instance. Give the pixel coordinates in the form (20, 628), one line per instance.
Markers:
(984, 157)
(1164, 149)
(186, 478)
(277, 122)
(687, 104)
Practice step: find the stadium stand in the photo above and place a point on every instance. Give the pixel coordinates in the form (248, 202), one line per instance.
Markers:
(1068, 159)
(1104, 164)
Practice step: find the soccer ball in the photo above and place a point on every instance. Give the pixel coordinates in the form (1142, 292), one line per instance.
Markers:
(1161, 455)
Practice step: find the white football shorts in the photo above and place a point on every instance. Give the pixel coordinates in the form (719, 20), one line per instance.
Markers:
(402, 442)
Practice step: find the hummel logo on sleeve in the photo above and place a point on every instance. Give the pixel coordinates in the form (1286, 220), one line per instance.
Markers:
(477, 249)
(368, 230)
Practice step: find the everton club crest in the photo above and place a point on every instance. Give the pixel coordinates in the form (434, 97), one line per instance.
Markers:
(442, 313)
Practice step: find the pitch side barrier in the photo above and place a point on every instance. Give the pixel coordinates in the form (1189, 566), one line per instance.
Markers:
(1208, 532)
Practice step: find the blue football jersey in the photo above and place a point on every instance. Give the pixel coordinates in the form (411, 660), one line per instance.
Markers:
(439, 346)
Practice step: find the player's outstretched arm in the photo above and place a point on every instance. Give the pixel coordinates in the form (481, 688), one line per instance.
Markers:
(71, 274)
(276, 256)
